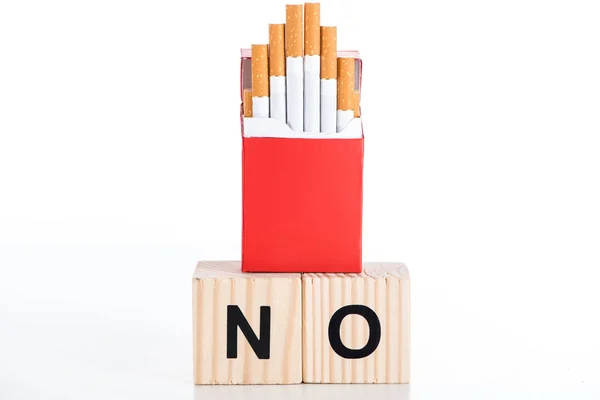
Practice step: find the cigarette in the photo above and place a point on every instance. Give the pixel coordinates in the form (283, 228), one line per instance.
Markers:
(294, 67)
(247, 103)
(277, 71)
(357, 104)
(345, 92)
(328, 79)
(312, 60)
(260, 83)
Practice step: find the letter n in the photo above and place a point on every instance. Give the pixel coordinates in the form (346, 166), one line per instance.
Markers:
(261, 346)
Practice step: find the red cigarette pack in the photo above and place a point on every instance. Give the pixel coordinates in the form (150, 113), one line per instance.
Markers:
(302, 194)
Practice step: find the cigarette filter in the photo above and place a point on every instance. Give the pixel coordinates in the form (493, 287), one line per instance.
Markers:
(247, 102)
(345, 92)
(328, 78)
(294, 67)
(312, 58)
(356, 104)
(260, 82)
(277, 71)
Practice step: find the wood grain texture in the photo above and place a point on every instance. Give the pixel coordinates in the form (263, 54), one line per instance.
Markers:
(384, 288)
(216, 285)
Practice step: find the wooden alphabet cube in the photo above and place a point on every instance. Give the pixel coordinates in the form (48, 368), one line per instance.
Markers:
(356, 327)
(246, 326)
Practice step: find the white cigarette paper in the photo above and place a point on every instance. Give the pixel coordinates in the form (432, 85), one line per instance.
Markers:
(260, 82)
(260, 107)
(328, 77)
(312, 66)
(277, 72)
(345, 94)
(295, 93)
(328, 105)
(343, 118)
(277, 97)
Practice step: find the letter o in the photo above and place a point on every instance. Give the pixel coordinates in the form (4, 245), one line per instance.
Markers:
(374, 331)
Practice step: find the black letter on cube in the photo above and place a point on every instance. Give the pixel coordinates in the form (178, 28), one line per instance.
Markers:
(374, 331)
(260, 346)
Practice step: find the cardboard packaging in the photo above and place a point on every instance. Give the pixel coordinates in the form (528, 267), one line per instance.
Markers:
(302, 192)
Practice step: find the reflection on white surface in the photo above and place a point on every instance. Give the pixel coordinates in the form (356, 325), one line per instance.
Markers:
(304, 391)
(398, 392)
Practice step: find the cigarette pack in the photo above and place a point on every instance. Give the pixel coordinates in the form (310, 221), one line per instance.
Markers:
(302, 193)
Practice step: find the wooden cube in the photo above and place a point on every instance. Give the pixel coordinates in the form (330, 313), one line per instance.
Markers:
(356, 327)
(246, 326)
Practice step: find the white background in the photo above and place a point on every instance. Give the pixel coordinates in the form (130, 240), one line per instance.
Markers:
(120, 156)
